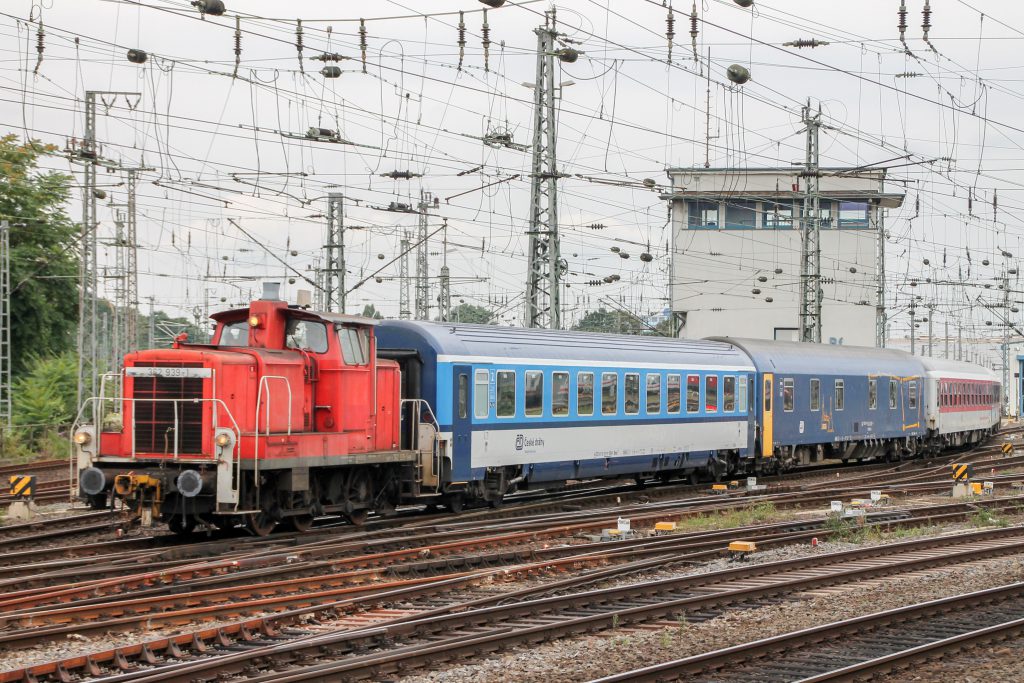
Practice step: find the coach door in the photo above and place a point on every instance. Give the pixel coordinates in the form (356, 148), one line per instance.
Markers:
(767, 421)
(462, 376)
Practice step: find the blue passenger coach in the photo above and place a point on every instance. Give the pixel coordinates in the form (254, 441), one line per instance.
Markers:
(534, 408)
(818, 401)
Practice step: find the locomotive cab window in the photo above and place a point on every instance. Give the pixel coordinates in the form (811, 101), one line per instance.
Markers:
(585, 393)
(559, 394)
(235, 334)
(711, 393)
(609, 393)
(692, 393)
(872, 394)
(534, 393)
(653, 394)
(912, 395)
(632, 393)
(840, 394)
(892, 394)
(463, 396)
(788, 399)
(674, 394)
(506, 393)
(728, 394)
(481, 387)
(815, 395)
(355, 346)
(306, 335)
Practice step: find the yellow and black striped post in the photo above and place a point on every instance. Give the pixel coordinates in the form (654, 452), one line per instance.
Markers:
(962, 471)
(22, 486)
(1007, 448)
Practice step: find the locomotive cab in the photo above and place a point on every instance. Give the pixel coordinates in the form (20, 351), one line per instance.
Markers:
(285, 416)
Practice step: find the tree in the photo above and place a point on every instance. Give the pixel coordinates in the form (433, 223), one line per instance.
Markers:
(613, 322)
(370, 311)
(44, 396)
(44, 258)
(468, 313)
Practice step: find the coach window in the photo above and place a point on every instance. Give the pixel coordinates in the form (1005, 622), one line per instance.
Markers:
(711, 393)
(815, 395)
(728, 394)
(506, 393)
(463, 396)
(584, 393)
(632, 396)
(840, 394)
(559, 394)
(892, 393)
(674, 394)
(534, 393)
(307, 335)
(767, 395)
(912, 395)
(872, 394)
(787, 395)
(609, 393)
(653, 394)
(692, 393)
(741, 400)
(481, 383)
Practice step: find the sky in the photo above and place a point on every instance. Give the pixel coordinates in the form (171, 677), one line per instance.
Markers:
(237, 195)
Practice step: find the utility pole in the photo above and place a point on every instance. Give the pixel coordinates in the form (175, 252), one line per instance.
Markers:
(444, 298)
(913, 324)
(959, 342)
(880, 316)
(945, 339)
(88, 280)
(334, 254)
(132, 267)
(545, 267)
(1006, 343)
(422, 264)
(6, 412)
(403, 277)
(152, 323)
(810, 234)
(931, 340)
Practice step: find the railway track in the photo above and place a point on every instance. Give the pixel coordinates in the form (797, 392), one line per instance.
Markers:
(859, 648)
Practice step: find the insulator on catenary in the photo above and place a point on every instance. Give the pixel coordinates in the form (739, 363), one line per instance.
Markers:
(362, 42)
(995, 204)
(329, 57)
(462, 39)
(693, 30)
(485, 32)
(902, 25)
(238, 44)
(40, 46)
(137, 56)
(298, 43)
(670, 30)
(401, 175)
(805, 42)
(926, 23)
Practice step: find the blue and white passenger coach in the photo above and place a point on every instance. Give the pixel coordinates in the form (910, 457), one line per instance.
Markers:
(534, 408)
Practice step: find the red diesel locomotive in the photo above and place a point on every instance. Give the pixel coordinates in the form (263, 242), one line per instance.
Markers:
(287, 415)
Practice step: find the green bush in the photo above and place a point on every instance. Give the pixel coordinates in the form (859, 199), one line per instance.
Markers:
(44, 400)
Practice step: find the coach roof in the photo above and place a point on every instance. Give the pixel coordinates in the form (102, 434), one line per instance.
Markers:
(455, 340)
(827, 359)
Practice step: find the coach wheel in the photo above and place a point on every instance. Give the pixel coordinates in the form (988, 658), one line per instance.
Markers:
(182, 525)
(358, 517)
(259, 523)
(299, 523)
(496, 502)
(455, 503)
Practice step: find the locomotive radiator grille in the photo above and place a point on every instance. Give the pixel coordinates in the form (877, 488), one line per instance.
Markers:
(155, 419)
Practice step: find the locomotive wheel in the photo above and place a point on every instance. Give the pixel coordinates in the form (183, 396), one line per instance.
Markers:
(301, 523)
(182, 526)
(358, 517)
(259, 523)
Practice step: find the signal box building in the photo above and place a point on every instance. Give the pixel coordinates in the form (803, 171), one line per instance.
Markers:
(736, 253)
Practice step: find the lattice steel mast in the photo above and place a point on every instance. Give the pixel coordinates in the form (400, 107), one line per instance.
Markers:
(333, 272)
(810, 235)
(422, 272)
(6, 411)
(404, 312)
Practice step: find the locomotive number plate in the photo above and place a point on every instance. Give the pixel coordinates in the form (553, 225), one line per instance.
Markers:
(169, 372)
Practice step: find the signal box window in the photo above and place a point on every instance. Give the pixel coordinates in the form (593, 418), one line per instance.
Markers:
(534, 393)
(872, 394)
(692, 393)
(609, 393)
(788, 398)
(585, 393)
(632, 393)
(506, 393)
(912, 395)
(654, 394)
(481, 385)
(355, 346)
(560, 394)
(892, 394)
(728, 394)
(673, 391)
(840, 394)
(815, 395)
(306, 335)
(235, 334)
(711, 393)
